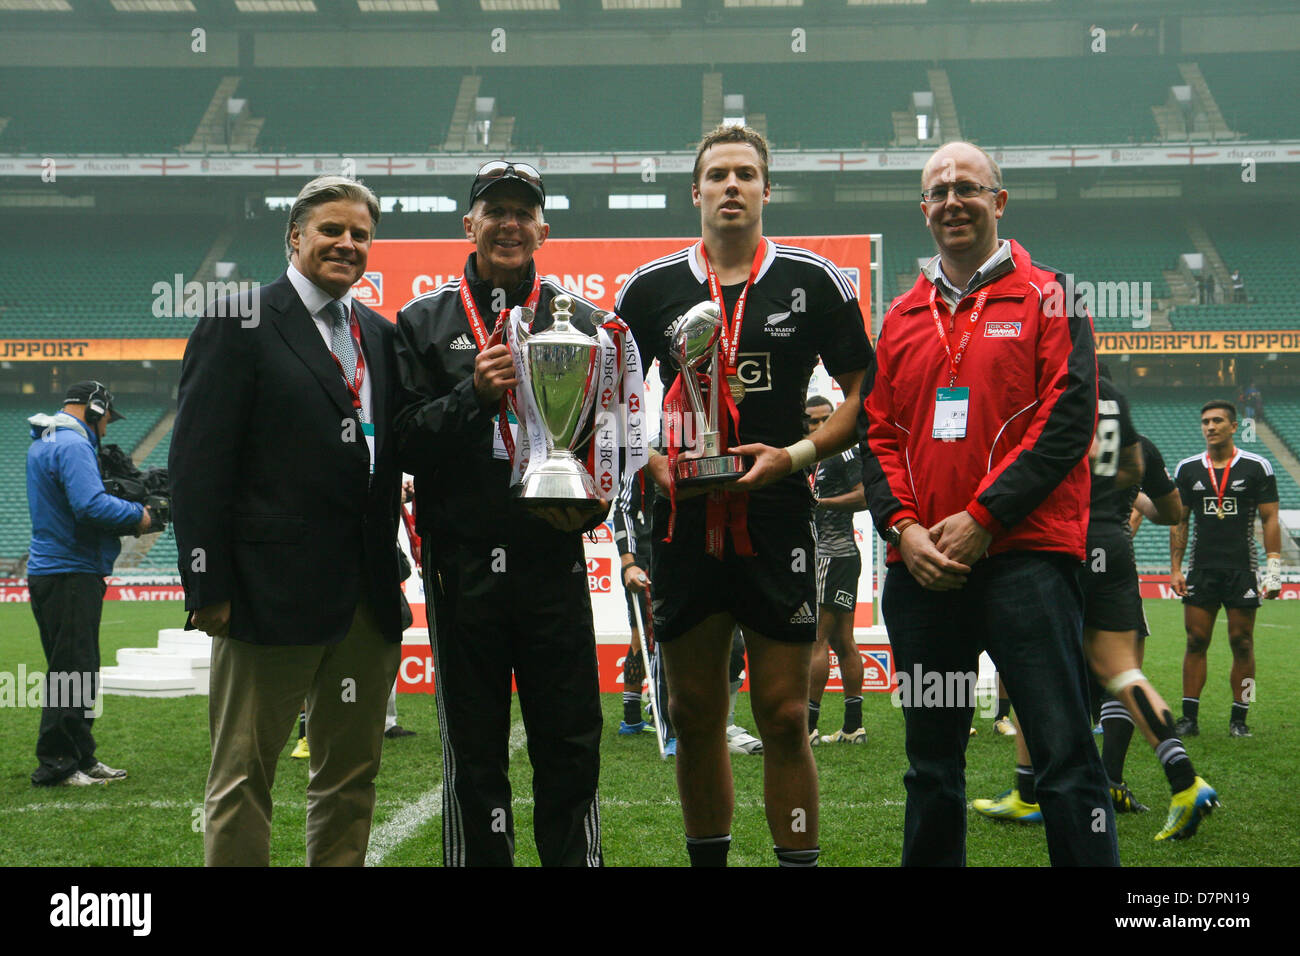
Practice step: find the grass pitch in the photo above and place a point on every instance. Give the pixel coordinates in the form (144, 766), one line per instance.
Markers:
(150, 818)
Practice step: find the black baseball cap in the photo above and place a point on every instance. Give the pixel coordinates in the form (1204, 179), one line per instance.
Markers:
(92, 393)
(502, 170)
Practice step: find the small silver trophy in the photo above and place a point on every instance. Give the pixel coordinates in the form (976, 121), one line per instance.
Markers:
(694, 344)
(559, 364)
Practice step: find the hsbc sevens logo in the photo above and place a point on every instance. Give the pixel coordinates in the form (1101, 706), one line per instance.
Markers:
(599, 575)
(878, 671)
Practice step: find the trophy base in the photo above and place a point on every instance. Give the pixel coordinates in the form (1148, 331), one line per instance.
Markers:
(712, 470)
(560, 483)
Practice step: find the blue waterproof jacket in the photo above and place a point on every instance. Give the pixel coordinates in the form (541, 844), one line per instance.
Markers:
(76, 524)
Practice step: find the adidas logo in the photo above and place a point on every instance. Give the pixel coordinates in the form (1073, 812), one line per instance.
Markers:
(578, 568)
(461, 341)
(804, 615)
(1196, 487)
(1250, 593)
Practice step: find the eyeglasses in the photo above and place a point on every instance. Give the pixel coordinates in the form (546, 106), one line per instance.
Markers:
(963, 190)
(499, 168)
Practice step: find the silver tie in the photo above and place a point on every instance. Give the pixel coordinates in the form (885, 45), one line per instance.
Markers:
(342, 343)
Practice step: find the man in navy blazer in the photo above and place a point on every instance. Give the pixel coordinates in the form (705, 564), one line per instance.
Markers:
(285, 499)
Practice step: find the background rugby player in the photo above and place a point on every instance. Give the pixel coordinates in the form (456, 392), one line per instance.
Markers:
(1223, 487)
(837, 493)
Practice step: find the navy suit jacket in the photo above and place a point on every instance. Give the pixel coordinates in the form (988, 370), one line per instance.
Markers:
(273, 504)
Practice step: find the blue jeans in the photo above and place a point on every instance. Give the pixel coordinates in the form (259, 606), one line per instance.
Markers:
(1025, 608)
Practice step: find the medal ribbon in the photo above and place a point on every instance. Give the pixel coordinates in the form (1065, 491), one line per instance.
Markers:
(725, 510)
(1222, 486)
(485, 341)
(954, 359)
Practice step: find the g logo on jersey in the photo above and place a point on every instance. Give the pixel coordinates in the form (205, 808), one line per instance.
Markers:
(755, 371)
(1212, 506)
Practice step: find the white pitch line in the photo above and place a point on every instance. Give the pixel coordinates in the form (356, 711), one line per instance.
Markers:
(407, 811)
(427, 806)
(60, 806)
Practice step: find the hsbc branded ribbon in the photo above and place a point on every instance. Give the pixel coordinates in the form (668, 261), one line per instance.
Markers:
(620, 410)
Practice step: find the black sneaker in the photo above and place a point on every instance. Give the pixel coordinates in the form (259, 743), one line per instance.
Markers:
(1238, 728)
(1186, 727)
(1123, 800)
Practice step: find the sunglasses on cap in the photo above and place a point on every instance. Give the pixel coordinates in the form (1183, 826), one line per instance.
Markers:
(499, 168)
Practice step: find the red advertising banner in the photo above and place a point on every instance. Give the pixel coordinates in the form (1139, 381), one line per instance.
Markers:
(596, 269)
(415, 675)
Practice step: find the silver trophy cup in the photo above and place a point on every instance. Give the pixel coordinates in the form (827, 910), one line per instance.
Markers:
(559, 364)
(694, 343)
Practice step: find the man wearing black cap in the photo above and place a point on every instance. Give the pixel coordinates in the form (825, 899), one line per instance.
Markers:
(507, 589)
(75, 529)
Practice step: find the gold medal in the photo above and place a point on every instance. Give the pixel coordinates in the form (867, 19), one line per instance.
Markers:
(1222, 513)
(737, 388)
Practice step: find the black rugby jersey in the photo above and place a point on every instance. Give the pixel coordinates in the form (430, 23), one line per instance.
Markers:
(1115, 432)
(834, 476)
(1227, 542)
(800, 307)
(1155, 478)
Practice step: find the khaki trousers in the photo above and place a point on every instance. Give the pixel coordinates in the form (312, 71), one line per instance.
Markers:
(256, 692)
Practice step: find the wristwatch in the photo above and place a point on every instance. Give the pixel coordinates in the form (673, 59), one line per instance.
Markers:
(894, 533)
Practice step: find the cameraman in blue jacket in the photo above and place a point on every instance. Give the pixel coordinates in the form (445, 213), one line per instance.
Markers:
(75, 529)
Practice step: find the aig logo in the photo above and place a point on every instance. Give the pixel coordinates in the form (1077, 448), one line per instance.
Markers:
(1212, 506)
(755, 371)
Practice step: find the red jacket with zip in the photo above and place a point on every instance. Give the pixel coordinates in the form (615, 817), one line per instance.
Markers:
(1031, 367)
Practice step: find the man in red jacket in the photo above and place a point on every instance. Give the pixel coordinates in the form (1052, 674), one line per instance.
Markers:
(978, 413)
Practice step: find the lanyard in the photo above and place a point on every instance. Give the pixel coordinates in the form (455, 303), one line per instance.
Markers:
(954, 359)
(481, 337)
(359, 373)
(476, 321)
(731, 328)
(1220, 487)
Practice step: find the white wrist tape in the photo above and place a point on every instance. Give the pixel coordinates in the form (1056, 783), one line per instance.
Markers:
(1124, 679)
(802, 454)
(1273, 574)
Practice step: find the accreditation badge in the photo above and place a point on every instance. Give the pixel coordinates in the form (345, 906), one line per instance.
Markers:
(368, 429)
(951, 408)
(498, 444)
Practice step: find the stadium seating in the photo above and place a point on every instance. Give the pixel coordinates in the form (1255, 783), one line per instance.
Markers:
(1282, 412)
(853, 106)
(814, 105)
(1037, 101)
(566, 109)
(403, 110)
(99, 110)
(1261, 245)
(1249, 88)
(15, 521)
(93, 288)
